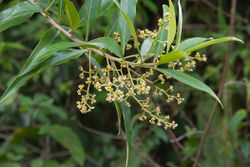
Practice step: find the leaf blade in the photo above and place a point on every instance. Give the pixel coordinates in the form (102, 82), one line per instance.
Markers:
(72, 14)
(212, 42)
(180, 22)
(69, 139)
(17, 14)
(172, 25)
(191, 81)
(172, 56)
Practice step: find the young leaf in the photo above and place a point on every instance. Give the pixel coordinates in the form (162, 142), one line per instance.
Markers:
(172, 25)
(56, 59)
(189, 80)
(17, 14)
(128, 10)
(91, 9)
(128, 128)
(68, 138)
(72, 14)
(172, 56)
(213, 41)
(107, 43)
(190, 43)
(180, 22)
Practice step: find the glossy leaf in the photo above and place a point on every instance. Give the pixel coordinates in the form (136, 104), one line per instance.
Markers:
(190, 43)
(45, 53)
(212, 42)
(172, 25)
(17, 14)
(180, 22)
(91, 9)
(128, 11)
(55, 59)
(172, 56)
(68, 138)
(189, 80)
(72, 15)
(107, 43)
(145, 46)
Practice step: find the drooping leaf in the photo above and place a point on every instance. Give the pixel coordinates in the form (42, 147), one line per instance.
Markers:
(189, 80)
(17, 14)
(72, 15)
(172, 25)
(128, 129)
(128, 11)
(180, 22)
(172, 56)
(55, 59)
(68, 138)
(107, 43)
(91, 9)
(45, 53)
(190, 43)
(212, 42)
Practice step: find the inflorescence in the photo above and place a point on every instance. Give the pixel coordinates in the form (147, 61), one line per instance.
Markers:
(123, 83)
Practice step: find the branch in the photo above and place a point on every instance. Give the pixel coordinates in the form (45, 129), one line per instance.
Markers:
(99, 52)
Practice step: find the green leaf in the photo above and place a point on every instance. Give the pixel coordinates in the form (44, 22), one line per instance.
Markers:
(107, 43)
(145, 47)
(172, 56)
(190, 43)
(172, 25)
(118, 116)
(60, 8)
(163, 36)
(128, 128)
(68, 138)
(91, 9)
(180, 22)
(237, 118)
(212, 42)
(17, 14)
(113, 23)
(56, 59)
(189, 80)
(128, 10)
(105, 7)
(45, 53)
(72, 15)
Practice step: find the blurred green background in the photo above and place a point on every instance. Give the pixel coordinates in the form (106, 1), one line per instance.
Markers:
(41, 126)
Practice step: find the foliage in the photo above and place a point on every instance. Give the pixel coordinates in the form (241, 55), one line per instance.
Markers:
(134, 69)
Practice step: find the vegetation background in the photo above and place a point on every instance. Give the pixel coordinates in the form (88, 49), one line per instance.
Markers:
(41, 126)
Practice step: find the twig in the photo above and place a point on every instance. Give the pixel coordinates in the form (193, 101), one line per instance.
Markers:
(222, 82)
(99, 132)
(186, 135)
